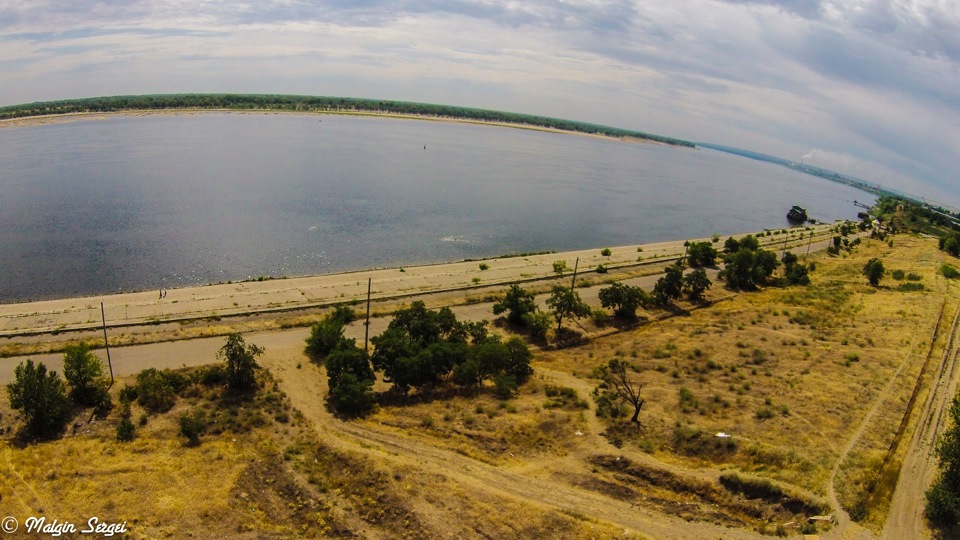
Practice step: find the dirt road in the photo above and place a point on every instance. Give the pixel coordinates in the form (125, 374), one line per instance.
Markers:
(306, 389)
(920, 464)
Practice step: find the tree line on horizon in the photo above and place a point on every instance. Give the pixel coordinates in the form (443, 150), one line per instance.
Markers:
(313, 104)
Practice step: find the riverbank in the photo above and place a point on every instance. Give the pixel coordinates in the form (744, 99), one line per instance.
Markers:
(236, 299)
(53, 119)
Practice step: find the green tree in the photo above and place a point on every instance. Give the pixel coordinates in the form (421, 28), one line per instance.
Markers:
(669, 287)
(350, 379)
(874, 271)
(951, 245)
(701, 254)
(517, 360)
(41, 399)
(624, 300)
(324, 337)
(347, 358)
(747, 269)
(617, 388)
(241, 360)
(696, 283)
(565, 302)
(559, 267)
(943, 497)
(731, 245)
(750, 242)
(517, 302)
(797, 274)
(353, 396)
(84, 373)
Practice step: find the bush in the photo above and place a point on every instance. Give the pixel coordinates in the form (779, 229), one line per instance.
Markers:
(538, 322)
(125, 430)
(84, 373)
(192, 427)
(156, 390)
(484, 266)
(601, 269)
(606, 252)
(874, 271)
(352, 396)
(599, 317)
(128, 394)
(324, 336)
(898, 275)
(41, 399)
(505, 386)
(949, 271)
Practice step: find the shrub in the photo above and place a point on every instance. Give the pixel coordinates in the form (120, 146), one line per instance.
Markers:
(538, 322)
(125, 429)
(324, 336)
(601, 269)
(599, 317)
(897, 275)
(949, 271)
(192, 427)
(352, 396)
(41, 398)
(874, 271)
(484, 266)
(910, 287)
(156, 390)
(606, 252)
(505, 386)
(128, 394)
(765, 412)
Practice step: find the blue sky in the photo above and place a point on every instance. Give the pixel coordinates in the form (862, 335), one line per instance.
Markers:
(869, 88)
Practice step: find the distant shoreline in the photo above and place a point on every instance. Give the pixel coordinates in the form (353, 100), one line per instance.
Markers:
(66, 118)
(320, 104)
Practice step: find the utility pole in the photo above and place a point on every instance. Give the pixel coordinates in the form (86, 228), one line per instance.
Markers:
(366, 325)
(106, 343)
(574, 281)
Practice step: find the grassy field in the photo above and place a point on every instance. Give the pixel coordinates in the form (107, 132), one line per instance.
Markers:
(807, 381)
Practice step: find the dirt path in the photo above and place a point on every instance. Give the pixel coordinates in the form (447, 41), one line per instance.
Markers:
(306, 390)
(905, 519)
(846, 528)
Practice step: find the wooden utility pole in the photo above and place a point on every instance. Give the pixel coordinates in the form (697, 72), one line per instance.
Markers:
(106, 343)
(574, 281)
(366, 325)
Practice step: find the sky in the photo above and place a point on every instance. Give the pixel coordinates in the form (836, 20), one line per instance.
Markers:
(868, 88)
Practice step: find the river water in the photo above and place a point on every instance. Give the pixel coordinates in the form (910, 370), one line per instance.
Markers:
(142, 202)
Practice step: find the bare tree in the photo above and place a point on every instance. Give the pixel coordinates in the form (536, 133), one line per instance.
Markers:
(616, 389)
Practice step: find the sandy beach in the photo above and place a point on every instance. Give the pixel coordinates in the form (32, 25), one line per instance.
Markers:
(278, 295)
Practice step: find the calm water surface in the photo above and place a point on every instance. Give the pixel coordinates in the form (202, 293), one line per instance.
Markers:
(133, 203)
